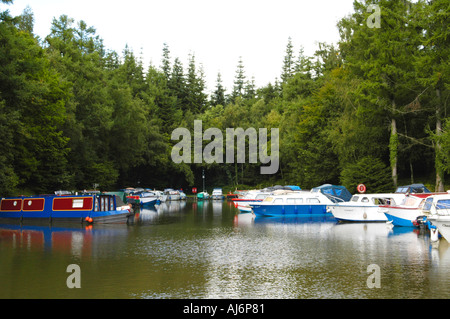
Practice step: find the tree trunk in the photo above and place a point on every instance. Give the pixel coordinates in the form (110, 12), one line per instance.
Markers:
(438, 158)
(393, 145)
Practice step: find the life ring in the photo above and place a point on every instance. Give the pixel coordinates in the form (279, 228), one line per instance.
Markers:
(361, 188)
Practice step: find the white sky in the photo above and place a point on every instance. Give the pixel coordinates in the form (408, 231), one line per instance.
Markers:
(218, 32)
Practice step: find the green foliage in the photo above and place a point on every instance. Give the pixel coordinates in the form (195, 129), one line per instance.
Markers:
(369, 171)
(73, 114)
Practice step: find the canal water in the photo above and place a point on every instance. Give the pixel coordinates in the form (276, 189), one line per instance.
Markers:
(193, 250)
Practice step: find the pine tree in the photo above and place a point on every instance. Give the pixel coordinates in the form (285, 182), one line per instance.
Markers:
(250, 89)
(165, 63)
(195, 86)
(288, 63)
(239, 81)
(177, 85)
(218, 96)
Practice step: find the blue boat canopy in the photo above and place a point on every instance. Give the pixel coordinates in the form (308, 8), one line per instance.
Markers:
(334, 192)
(413, 188)
(294, 187)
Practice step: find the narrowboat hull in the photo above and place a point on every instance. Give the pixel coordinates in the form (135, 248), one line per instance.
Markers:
(89, 209)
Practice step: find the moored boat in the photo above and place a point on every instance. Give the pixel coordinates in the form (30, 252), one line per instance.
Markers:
(293, 204)
(251, 196)
(217, 193)
(437, 210)
(202, 195)
(77, 208)
(364, 207)
(148, 198)
(172, 194)
(405, 213)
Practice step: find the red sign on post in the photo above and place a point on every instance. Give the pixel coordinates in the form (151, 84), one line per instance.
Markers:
(194, 190)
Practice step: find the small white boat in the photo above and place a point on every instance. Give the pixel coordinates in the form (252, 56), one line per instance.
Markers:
(148, 198)
(161, 196)
(203, 195)
(251, 197)
(364, 207)
(406, 213)
(172, 194)
(437, 207)
(217, 193)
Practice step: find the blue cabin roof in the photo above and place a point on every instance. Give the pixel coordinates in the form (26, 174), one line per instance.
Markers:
(413, 188)
(334, 192)
(294, 187)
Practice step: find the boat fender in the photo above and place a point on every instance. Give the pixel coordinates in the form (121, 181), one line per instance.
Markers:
(434, 234)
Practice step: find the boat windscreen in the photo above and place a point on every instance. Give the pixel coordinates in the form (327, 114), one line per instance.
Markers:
(119, 201)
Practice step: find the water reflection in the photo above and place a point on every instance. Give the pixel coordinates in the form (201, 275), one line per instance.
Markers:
(78, 241)
(205, 249)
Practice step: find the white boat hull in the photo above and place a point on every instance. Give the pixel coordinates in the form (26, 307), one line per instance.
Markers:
(243, 208)
(357, 213)
(443, 225)
(173, 197)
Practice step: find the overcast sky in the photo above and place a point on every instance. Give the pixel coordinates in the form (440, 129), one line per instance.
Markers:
(218, 32)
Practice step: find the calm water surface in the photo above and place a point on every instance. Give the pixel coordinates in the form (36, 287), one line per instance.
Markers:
(207, 250)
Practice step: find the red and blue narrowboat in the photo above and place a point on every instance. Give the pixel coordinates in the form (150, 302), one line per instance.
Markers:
(77, 208)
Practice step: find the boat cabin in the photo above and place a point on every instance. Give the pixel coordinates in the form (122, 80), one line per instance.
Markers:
(437, 204)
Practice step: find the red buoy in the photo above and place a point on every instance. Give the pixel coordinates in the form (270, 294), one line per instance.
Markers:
(361, 188)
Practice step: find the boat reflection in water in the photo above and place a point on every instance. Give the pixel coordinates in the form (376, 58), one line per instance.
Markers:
(206, 249)
(69, 239)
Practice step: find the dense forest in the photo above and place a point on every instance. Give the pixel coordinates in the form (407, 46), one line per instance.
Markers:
(371, 109)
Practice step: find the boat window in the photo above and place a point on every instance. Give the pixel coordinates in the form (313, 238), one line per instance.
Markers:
(77, 203)
(443, 204)
(428, 203)
(278, 201)
(268, 199)
(410, 201)
(299, 200)
(365, 200)
(291, 200)
(355, 198)
(377, 201)
(402, 190)
(312, 200)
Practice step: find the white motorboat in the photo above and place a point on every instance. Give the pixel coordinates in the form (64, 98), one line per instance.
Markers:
(217, 194)
(172, 194)
(405, 213)
(251, 197)
(437, 209)
(364, 207)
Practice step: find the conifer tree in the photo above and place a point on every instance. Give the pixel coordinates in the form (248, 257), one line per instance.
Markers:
(239, 81)
(218, 96)
(288, 63)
